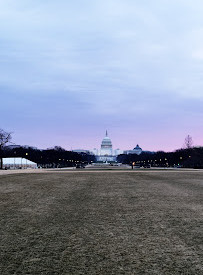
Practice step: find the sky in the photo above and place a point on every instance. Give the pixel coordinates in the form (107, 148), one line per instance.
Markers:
(69, 70)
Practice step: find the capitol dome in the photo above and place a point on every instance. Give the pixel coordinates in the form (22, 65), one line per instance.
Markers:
(106, 142)
(106, 146)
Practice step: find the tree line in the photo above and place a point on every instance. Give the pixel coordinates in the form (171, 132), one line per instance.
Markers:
(188, 158)
(51, 157)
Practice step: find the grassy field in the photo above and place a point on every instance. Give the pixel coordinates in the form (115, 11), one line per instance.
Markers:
(113, 222)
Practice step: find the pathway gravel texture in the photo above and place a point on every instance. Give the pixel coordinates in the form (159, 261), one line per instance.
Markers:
(136, 222)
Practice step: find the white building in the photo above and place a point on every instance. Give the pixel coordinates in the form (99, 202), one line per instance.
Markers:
(106, 146)
(106, 152)
(137, 150)
(118, 152)
(95, 152)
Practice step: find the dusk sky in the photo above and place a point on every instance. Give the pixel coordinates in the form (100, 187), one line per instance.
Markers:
(69, 70)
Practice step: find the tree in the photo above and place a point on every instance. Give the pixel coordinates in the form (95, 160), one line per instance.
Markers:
(188, 142)
(58, 148)
(5, 137)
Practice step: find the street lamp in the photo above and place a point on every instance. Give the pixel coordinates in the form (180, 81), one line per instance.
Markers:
(26, 159)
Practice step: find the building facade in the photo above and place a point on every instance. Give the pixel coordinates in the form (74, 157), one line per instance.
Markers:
(106, 152)
(137, 150)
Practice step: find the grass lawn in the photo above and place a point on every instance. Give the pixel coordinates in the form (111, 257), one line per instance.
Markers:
(107, 222)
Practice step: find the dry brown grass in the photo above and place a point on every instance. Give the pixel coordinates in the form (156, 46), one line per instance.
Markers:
(144, 222)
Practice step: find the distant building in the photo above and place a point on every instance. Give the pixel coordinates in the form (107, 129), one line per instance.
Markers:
(106, 146)
(95, 151)
(106, 152)
(118, 152)
(137, 150)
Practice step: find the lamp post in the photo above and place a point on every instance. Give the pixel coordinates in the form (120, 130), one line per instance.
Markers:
(26, 159)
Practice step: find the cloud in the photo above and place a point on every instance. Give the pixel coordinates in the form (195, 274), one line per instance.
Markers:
(57, 45)
(107, 60)
(198, 54)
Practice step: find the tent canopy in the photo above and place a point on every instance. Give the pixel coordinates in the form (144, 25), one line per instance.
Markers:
(11, 161)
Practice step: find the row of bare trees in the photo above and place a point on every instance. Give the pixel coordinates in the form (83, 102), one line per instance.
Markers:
(51, 157)
(5, 137)
(189, 156)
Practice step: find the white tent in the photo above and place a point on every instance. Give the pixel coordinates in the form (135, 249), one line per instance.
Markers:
(18, 163)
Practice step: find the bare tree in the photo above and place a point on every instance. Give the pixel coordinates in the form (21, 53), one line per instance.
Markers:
(5, 137)
(188, 142)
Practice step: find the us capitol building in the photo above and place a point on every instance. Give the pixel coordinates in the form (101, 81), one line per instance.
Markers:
(106, 152)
